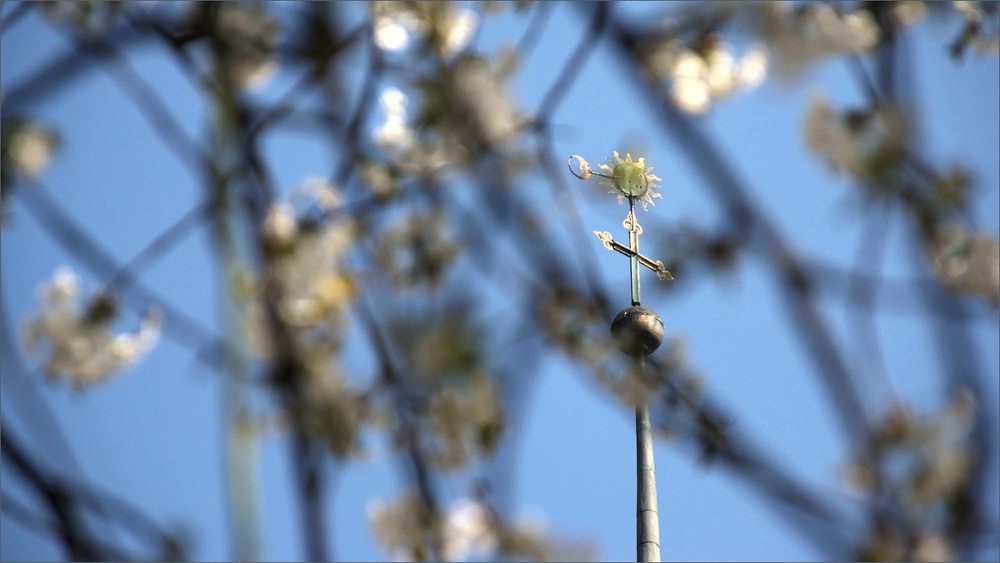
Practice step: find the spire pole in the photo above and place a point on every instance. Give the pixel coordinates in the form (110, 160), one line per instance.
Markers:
(637, 330)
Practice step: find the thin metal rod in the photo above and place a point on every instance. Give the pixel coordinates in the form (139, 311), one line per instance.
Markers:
(633, 243)
(647, 516)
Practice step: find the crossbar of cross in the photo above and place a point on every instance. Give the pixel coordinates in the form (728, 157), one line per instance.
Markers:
(632, 252)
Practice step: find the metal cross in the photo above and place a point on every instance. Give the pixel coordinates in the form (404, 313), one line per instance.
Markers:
(632, 251)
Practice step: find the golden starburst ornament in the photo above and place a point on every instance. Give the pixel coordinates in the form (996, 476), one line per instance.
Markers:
(626, 178)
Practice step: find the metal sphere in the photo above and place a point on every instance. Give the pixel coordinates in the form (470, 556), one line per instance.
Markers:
(637, 330)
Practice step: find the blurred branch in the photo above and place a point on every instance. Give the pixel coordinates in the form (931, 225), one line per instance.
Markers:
(65, 500)
(24, 516)
(15, 15)
(573, 68)
(961, 368)
(160, 245)
(148, 102)
(61, 70)
(352, 134)
(285, 105)
(541, 14)
(894, 295)
(862, 294)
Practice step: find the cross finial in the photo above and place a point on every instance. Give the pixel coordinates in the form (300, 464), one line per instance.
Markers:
(631, 180)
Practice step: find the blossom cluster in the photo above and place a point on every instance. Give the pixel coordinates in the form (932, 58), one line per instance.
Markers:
(27, 147)
(310, 287)
(444, 25)
(702, 75)
(865, 143)
(250, 35)
(799, 35)
(967, 262)
(458, 104)
(926, 462)
(982, 26)
(80, 344)
(410, 531)
(307, 260)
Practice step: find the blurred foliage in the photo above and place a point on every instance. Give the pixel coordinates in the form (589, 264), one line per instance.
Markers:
(428, 221)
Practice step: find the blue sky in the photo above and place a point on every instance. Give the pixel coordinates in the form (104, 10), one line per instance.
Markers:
(153, 434)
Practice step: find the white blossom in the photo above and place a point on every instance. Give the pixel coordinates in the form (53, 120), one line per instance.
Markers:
(969, 10)
(968, 262)
(458, 29)
(81, 346)
(394, 133)
(400, 525)
(468, 531)
(908, 12)
(465, 422)
(307, 264)
(251, 35)
(483, 95)
(30, 148)
(697, 79)
(799, 36)
(405, 527)
(280, 226)
(315, 287)
(395, 26)
(325, 194)
(390, 33)
(933, 547)
(859, 142)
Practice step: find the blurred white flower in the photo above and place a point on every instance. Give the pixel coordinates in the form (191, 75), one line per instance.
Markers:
(468, 531)
(332, 409)
(315, 287)
(394, 133)
(968, 9)
(401, 526)
(967, 262)
(908, 12)
(753, 68)
(933, 547)
(81, 347)
(390, 34)
(280, 226)
(251, 35)
(481, 90)
(863, 143)
(799, 35)
(395, 25)
(689, 88)
(405, 527)
(325, 194)
(458, 28)
(697, 79)
(465, 422)
(307, 263)
(30, 148)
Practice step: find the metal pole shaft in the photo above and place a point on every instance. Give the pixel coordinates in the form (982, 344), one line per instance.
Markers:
(647, 515)
(633, 243)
